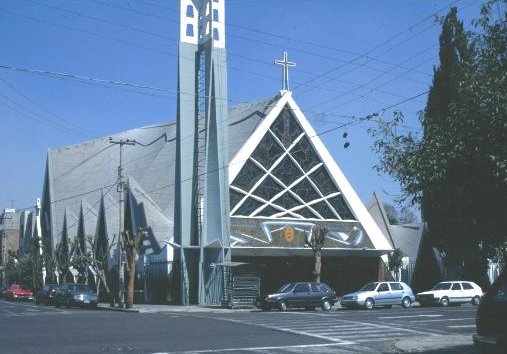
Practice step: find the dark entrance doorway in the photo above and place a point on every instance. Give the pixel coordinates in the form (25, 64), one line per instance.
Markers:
(343, 274)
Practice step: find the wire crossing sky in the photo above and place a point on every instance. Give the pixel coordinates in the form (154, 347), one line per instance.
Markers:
(73, 70)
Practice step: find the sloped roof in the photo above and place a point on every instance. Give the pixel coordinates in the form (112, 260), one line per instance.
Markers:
(79, 174)
(406, 237)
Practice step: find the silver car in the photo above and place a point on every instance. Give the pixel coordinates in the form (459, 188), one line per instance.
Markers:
(384, 294)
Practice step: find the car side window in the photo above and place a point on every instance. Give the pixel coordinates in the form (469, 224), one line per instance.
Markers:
(301, 288)
(325, 288)
(396, 286)
(467, 286)
(383, 287)
(456, 286)
(315, 287)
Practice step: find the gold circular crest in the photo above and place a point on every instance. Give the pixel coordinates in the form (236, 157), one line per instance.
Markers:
(288, 232)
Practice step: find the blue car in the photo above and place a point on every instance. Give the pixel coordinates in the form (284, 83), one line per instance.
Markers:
(385, 294)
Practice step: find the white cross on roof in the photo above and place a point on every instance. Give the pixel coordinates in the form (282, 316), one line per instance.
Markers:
(285, 63)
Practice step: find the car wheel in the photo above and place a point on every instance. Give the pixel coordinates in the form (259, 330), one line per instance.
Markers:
(282, 305)
(476, 300)
(406, 302)
(444, 302)
(37, 301)
(369, 303)
(326, 305)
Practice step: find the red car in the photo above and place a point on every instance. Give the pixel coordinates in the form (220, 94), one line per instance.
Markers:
(17, 292)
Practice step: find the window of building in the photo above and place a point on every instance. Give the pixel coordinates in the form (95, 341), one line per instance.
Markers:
(190, 30)
(215, 15)
(216, 35)
(190, 11)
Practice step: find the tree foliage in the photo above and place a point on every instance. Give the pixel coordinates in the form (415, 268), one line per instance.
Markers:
(457, 170)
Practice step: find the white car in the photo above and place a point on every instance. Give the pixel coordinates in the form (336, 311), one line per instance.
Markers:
(384, 294)
(451, 292)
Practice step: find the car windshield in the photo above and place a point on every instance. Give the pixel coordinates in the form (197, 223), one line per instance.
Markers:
(369, 287)
(285, 288)
(442, 286)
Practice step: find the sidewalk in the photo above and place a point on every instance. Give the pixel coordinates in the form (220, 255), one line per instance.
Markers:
(149, 308)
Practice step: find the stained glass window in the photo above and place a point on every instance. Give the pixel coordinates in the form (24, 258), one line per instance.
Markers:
(287, 171)
(306, 213)
(286, 128)
(295, 165)
(323, 209)
(304, 154)
(323, 181)
(341, 208)
(287, 201)
(248, 176)
(248, 207)
(305, 191)
(268, 188)
(235, 197)
(268, 151)
(268, 211)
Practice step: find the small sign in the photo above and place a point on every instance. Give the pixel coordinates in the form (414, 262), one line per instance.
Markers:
(289, 233)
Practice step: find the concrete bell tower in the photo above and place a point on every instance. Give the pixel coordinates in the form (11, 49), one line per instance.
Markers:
(201, 213)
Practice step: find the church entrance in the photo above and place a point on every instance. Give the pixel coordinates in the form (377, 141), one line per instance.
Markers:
(343, 274)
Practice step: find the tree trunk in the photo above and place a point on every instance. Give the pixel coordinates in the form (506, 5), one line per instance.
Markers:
(131, 278)
(318, 265)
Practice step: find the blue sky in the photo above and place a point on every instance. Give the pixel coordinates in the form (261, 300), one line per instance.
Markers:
(72, 70)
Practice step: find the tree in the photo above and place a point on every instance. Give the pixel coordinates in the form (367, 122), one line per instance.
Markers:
(98, 259)
(131, 244)
(457, 171)
(395, 262)
(316, 242)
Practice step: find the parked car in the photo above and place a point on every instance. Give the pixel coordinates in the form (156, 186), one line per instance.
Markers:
(451, 292)
(18, 292)
(491, 317)
(46, 294)
(75, 295)
(307, 295)
(384, 294)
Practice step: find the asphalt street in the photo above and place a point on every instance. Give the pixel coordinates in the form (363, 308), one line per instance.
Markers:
(28, 328)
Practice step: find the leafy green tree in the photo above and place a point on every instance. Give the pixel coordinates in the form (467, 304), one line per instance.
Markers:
(395, 262)
(457, 170)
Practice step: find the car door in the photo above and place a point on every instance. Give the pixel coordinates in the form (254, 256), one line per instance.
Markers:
(456, 293)
(396, 294)
(382, 297)
(300, 295)
(468, 292)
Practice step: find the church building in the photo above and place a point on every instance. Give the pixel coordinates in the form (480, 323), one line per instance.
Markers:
(226, 194)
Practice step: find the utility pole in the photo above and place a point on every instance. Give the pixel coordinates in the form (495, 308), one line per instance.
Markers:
(121, 187)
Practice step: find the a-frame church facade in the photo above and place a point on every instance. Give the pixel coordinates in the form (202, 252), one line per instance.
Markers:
(268, 178)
